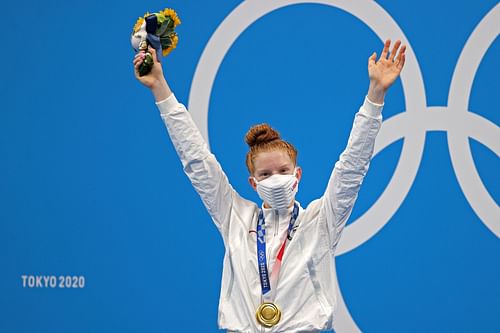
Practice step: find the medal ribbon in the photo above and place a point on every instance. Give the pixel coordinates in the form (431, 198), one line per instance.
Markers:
(265, 281)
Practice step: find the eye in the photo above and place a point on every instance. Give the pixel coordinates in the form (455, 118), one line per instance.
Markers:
(285, 171)
(263, 175)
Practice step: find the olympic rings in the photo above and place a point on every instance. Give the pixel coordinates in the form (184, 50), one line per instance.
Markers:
(412, 125)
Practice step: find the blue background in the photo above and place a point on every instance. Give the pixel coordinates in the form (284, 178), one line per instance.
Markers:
(90, 184)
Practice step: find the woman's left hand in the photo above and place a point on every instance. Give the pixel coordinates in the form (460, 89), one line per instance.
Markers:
(384, 71)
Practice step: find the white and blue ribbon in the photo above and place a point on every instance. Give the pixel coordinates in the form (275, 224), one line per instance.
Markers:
(261, 247)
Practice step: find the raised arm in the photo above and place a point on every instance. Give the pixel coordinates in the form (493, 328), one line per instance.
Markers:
(350, 170)
(199, 163)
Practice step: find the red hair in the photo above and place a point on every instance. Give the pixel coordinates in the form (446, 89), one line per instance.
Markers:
(263, 138)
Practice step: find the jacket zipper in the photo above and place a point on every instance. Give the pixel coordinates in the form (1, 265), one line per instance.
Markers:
(276, 222)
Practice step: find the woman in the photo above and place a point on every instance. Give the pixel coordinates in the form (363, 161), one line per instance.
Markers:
(278, 274)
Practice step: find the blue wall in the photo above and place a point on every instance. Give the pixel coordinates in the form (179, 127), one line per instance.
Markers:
(91, 188)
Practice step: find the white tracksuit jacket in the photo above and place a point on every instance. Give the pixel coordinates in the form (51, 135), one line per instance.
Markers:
(305, 291)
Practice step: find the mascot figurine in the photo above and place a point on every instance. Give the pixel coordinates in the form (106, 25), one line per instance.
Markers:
(157, 30)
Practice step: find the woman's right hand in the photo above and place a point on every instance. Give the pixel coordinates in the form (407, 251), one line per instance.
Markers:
(154, 80)
(156, 74)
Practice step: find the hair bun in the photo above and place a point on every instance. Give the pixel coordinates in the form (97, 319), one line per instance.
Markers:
(261, 134)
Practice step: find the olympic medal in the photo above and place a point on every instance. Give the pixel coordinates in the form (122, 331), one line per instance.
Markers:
(268, 314)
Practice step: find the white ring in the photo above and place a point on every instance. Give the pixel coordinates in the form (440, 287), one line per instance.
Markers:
(384, 26)
(458, 102)
(411, 125)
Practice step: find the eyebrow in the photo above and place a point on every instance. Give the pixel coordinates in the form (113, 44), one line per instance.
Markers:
(283, 166)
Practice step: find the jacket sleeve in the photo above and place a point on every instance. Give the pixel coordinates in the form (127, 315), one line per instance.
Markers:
(199, 164)
(347, 176)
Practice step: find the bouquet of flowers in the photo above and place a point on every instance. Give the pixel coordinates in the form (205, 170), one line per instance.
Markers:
(157, 30)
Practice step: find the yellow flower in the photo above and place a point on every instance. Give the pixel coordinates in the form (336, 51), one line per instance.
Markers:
(139, 22)
(174, 39)
(167, 12)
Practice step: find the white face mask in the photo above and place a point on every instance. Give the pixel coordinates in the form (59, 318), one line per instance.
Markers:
(278, 191)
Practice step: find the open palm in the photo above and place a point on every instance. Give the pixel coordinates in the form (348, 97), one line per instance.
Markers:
(384, 71)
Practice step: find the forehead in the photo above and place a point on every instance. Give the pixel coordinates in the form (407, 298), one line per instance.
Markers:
(272, 160)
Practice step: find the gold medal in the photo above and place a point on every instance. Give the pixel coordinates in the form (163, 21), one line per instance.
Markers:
(268, 314)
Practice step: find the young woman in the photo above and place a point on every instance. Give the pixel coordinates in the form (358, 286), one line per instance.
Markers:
(278, 273)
